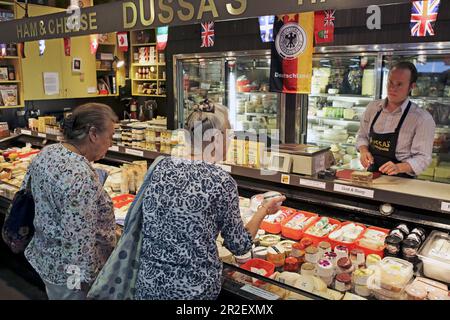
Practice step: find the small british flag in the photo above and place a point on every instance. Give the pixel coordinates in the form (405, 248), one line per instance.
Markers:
(423, 16)
(207, 34)
(329, 18)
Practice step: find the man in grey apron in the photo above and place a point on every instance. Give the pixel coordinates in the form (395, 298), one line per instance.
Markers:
(395, 135)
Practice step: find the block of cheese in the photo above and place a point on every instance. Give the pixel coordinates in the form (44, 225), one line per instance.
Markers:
(362, 177)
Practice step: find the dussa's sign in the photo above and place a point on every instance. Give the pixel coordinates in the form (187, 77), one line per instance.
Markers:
(141, 14)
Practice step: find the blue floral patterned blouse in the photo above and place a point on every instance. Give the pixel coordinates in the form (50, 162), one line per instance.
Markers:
(186, 204)
(74, 218)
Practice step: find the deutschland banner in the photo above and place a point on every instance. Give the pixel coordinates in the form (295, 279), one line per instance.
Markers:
(291, 65)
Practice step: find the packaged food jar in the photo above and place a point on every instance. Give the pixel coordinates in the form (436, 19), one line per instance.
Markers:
(291, 264)
(269, 240)
(395, 273)
(362, 291)
(325, 268)
(343, 282)
(323, 247)
(357, 257)
(287, 245)
(306, 242)
(372, 259)
(332, 257)
(244, 258)
(361, 276)
(341, 252)
(420, 232)
(307, 269)
(298, 253)
(345, 266)
(260, 252)
(276, 255)
(392, 245)
(312, 254)
(410, 247)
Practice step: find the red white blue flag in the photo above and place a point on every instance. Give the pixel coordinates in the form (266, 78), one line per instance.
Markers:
(423, 16)
(207, 34)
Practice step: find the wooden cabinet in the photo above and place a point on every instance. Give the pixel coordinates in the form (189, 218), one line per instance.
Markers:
(11, 80)
(148, 67)
(73, 83)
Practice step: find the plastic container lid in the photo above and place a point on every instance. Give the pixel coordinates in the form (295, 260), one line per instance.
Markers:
(436, 247)
(395, 272)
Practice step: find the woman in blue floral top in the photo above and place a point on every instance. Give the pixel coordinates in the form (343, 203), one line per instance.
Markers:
(185, 206)
(74, 217)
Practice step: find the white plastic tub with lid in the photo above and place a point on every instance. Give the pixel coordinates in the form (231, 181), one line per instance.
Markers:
(435, 254)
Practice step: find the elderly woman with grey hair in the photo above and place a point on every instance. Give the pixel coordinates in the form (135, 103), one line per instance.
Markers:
(74, 217)
(186, 204)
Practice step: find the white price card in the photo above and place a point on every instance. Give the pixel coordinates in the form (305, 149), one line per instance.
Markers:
(225, 167)
(353, 190)
(313, 183)
(133, 152)
(445, 206)
(42, 135)
(285, 178)
(27, 132)
(114, 148)
(260, 292)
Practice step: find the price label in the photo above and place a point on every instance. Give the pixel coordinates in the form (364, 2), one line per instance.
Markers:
(445, 206)
(353, 190)
(42, 135)
(312, 183)
(285, 178)
(27, 132)
(133, 152)
(260, 292)
(114, 148)
(225, 167)
(59, 138)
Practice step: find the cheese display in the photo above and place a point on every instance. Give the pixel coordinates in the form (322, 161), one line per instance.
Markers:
(347, 233)
(321, 228)
(373, 239)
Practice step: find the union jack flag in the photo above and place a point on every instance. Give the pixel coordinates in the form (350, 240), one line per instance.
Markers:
(329, 18)
(266, 28)
(423, 16)
(207, 34)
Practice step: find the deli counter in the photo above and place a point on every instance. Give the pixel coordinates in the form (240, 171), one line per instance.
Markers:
(388, 205)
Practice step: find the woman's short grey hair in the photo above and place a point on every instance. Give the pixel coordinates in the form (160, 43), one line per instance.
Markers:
(200, 121)
(86, 116)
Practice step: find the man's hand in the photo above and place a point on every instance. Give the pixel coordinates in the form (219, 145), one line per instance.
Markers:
(365, 157)
(391, 168)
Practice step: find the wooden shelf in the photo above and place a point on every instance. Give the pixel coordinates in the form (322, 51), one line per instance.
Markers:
(106, 44)
(5, 3)
(11, 107)
(148, 44)
(10, 81)
(107, 95)
(9, 57)
(104, 70)
(149, 95)
(144, 64)
(145, 79)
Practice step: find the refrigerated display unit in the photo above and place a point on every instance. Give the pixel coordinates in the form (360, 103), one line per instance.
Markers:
(237, 80)
(346, 79)
(341, 88)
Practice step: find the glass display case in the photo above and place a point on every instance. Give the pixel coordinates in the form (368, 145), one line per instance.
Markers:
(240, 81)
(342, 86)
(432, 93)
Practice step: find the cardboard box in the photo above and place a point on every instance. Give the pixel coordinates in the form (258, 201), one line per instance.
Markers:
(3, 73)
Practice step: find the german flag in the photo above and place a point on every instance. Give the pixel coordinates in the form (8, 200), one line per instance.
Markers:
(291, 65)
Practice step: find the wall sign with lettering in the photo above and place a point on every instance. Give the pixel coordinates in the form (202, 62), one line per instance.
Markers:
(129, 15)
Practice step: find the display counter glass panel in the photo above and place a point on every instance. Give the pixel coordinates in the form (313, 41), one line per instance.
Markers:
(341, 88)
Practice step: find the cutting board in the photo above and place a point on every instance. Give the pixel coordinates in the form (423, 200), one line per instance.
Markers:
(346, 174)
